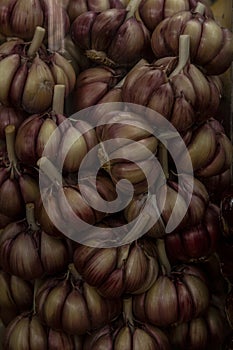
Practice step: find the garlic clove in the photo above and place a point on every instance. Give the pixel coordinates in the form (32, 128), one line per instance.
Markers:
(72, 321)
(123, 339)
(100, 266)
(8, 68)
(39, 86)
(211, 41)
(105, 28)
(161, 304)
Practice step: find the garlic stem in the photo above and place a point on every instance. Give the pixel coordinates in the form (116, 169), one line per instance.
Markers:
(36, 41)
(59, 98)
(162, 255)
(163, 158)
(200, 8)
(100, 57)
(10, 144)
(128, 311)
(37, 284)
(184, 54)
(74, 272)
(30, 216)
(132, 8)
(50, 170)
(123, 253)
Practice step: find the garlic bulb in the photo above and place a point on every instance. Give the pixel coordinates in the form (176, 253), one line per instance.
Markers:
(211, 45)
(66, 294)
(153, 12)
(113, 37)
(28, 74)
